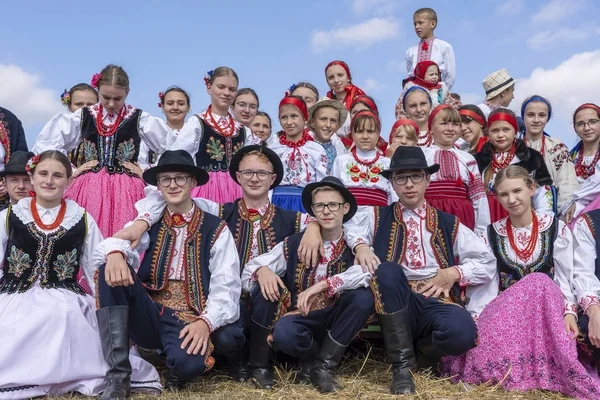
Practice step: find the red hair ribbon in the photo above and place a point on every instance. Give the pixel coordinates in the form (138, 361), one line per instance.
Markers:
(434, 113)
(583, 107)
(366, 101)
(502, 116)
(341, 64)
(473, 115)
(399, 123)
(367, 113)
(299, 104)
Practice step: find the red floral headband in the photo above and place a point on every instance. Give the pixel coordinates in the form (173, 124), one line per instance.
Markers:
(299, 104)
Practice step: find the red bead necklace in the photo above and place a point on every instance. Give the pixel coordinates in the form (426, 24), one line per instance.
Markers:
(527, 252)
(222, 131)
(305, 138)
(585, 171)
(363, 162)
(57, 221)
(497, 166)
(106, 130)
(428, 140)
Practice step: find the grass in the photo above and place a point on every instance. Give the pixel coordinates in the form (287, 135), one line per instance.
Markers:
(364, 377)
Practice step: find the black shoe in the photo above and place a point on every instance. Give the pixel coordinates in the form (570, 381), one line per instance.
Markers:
(303, 374)
(237, 364)
(399, 347)
(328, 358)
(175, 383)
(428, 356)
(261, 357)
(114, 336)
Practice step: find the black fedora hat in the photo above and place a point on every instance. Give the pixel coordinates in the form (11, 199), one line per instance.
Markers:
(407, 158)
(176, 161)
(332, 182)
(17, 162)
(234, 165)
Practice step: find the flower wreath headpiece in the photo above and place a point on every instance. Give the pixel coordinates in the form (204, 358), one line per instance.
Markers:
(161, 96)
(95, 79)
(65, 98)
(290, 90)
(208, 76)
(31, 164)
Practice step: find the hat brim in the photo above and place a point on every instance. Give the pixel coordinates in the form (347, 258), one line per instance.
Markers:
(234, 165)
(150, 175)
(500, 90)
(346, 194)
(10, 171)
(432, 169)
(330, 103)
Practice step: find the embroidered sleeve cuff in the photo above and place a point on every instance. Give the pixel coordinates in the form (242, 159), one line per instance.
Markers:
(357, 243)
(463, 281)
(570, 308)
(204, 318)
(588, 301)
(334, 285)
(145, 217)
(121, 252)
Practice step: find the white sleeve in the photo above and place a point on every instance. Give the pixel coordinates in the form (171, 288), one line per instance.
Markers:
(360, 228)
(275, 260)
(223, 302)
(151, 207)
(110, 245)
(477, 264)
(321, 165)
(586, 285)
(479, 296)
(563, 267)
(542, 200)
(409, 62)
(155, 133)
(88, 262)
(189, 137)
(587, 192)
(337, 167)
(61, 133)
(3, 235)
(143, 159)
(350, 279)
(450, 64)
(476, 193)
(251, 138)
(566, 178)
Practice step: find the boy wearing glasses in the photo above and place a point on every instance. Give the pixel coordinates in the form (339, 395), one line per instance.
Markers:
(183, 297)
(422, 259)
(314, 312)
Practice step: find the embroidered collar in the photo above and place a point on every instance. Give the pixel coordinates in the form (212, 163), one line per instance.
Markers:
(425, 44)
(544, 220)
(181, 220)
(420, 211)
(265, 212)
(110, 119)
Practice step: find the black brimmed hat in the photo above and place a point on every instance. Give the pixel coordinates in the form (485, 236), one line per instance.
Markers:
(16, 164)
(408, 158)
(334, 183)
(234, 165)
(176, 161)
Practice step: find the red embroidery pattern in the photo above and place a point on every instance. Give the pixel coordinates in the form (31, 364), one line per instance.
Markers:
(332, 284)
(588, 301)
(424, 51)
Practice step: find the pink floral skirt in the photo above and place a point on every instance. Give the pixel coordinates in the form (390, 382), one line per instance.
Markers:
(523, 344)
(109, 198)
(220, 188)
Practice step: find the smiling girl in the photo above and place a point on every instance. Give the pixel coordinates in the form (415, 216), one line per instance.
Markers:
(473, 127)
(416, 105)
(107, 135)
(245, 106)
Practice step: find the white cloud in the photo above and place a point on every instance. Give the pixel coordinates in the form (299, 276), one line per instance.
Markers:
(372, 86)
(557, 10)
(359, 36)
(548, 38)
(379, 7)
(572, 83)
(22, 94)
(471, 98)
(510, 7)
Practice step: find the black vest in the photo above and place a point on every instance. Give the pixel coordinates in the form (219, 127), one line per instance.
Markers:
(31, 255)
(215, 151)
(593, 220)
(111, 151)
(510, 271)
(390, 239)
(275, 225)
(154, 270)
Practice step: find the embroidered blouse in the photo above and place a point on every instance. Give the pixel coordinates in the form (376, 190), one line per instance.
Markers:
(302, 165)
(461, 166)
(333, 149)
(436, 50)
(63, 132)
(588, 191)
(586, 285)
(73, 215)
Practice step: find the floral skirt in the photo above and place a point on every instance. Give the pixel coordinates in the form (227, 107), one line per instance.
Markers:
(523, 344)
(221, 188)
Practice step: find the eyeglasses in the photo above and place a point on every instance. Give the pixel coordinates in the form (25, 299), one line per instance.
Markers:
(180, 180)
(249, 174)
(403, 179)
(590, 123)
(243, 106)
(332, 207)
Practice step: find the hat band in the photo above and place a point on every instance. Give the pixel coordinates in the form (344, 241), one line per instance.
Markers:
(499, 86)
(411, 163)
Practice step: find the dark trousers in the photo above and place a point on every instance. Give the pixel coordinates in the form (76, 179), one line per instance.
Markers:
(451, 327)
(295, 334)
(583, 342)
(154, 326)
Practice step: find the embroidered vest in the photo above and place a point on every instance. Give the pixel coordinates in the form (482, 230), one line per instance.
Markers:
(5, 136)
(111, 151)
(275, 225)
(32, 254)
(203, 230)
(511, 271)
(593, 220)
(215, 151)
(299, 277)
(390, 239)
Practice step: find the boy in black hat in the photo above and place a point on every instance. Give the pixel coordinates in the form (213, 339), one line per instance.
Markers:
(16, 180)
(313, 311)
(429, 258)
(184, 296)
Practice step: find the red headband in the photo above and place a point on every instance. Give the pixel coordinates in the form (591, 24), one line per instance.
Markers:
(473, 115)
(584, 106)
(502, 116)
(368, 102)
(341, 64)
(368, 113)
(434, 113)
(299, 104)
(400, 123)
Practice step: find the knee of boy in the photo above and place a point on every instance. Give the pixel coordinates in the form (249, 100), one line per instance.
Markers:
(389, 274)
(363, 302)
(462, 336)
(229, 338)
(186, 367)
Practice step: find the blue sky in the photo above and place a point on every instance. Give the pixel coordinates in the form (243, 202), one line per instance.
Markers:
(551, 46)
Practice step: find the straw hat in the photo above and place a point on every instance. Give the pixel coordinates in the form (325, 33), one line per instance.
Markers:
(496, 82)
(327, 102)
